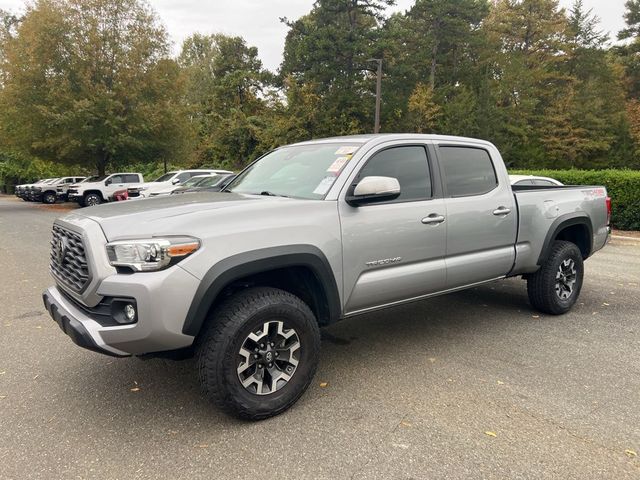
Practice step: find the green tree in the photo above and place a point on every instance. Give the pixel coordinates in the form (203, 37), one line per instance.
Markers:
(89, 82)
(330, 50)
(226, 89)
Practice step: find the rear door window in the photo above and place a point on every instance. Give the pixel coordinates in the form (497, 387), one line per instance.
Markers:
(131, 178)
(468, 171)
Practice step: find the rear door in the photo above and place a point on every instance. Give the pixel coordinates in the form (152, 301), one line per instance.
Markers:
(393, 251)
(481, 215)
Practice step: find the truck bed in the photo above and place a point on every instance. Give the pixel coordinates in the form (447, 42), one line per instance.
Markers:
(543, 209)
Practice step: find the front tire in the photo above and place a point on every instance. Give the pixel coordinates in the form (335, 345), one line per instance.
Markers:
(49, 198)
(91, 199)
(556, 286)
(259, 353)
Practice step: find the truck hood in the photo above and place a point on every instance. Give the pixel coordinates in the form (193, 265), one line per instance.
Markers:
(151, 186)
(182, 214)
(87, 184)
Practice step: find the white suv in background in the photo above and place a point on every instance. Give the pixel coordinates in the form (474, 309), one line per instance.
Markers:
(163, 184)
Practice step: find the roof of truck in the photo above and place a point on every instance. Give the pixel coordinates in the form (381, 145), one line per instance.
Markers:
(385, 137)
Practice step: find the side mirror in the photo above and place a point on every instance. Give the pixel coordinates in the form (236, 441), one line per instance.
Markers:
(107, 182)
(373, 189)
(175, 181)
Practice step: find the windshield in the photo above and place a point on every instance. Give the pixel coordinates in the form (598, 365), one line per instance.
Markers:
(166, 177)
(92, 178)
(299, 171)
(211, 181)
(193, 181)
(52, 180)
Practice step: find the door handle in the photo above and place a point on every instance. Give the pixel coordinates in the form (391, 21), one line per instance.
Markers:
(433, 219)
(502, 211)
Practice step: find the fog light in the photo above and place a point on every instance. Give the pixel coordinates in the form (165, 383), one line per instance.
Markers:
(129, 312)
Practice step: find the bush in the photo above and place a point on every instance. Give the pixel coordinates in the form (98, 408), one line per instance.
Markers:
(623, 186)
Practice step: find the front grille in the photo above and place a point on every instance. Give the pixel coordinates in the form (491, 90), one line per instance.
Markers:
(133, 192)
(72, 190)
(68, 259)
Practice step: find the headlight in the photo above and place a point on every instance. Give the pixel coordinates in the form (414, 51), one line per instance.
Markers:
(151, 254)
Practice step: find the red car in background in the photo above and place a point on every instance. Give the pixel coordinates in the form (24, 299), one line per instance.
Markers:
(120, 195)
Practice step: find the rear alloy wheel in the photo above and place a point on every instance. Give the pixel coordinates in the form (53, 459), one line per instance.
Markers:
(49, 198)
(91, 199)
(556, 286)
(259, 353)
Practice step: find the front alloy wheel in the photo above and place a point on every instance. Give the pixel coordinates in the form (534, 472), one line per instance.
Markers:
(268, 358)
(259, 352)
(92, 199)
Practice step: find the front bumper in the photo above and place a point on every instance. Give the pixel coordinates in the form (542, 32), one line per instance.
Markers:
(163, 299)
(72, 322)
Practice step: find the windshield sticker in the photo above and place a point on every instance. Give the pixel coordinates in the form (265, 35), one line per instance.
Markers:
(337, 165)
(324, 186)
(346, 150)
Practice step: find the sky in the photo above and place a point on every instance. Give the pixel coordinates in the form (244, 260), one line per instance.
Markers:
(258, 21)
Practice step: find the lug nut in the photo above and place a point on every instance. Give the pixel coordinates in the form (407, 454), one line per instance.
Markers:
(272, 344)
(262, 345)
(255, 349)
(270, 365)
(259, 365)
(256, 356)
(277, 354)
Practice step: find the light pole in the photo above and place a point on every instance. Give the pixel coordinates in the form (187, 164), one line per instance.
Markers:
(376, 126)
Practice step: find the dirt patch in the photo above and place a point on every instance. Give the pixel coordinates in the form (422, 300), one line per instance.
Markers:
(62, 207)
(626, 233)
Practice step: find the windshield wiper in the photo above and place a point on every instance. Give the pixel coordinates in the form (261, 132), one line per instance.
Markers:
(267, 193)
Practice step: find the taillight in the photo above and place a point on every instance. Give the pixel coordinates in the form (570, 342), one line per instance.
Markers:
(608, 210)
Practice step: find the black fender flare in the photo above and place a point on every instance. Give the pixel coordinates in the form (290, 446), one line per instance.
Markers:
(253, 262)
(559, 224)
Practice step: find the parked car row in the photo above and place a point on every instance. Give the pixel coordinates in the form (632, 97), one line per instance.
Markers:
(121, 186)
(46, 190)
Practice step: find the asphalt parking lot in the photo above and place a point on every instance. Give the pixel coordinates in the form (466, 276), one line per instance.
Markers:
(470, 385)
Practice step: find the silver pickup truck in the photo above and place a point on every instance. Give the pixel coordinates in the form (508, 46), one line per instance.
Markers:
(307, 235)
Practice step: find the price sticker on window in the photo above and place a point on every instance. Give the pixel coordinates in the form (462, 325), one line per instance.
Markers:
(338, 164)
(324, 185)
(346, 150)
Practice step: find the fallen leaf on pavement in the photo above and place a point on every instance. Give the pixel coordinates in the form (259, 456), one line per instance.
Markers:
(605, 304)
(135, 389)
(491, 434)
(500, 383)
(203, 445)
(405, 424)
(324, 384)
(432, 360)
(631, 453)
(535, 316)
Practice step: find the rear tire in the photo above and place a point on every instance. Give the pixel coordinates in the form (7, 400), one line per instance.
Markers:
(556, 286)
(259, 353)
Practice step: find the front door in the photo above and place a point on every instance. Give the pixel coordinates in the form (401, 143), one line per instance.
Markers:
(395, 250)
(481, 216)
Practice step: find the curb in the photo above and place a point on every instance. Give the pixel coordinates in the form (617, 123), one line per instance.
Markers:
(622, 237)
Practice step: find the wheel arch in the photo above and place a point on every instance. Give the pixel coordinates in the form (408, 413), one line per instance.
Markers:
(300, 269)
(573, 227)
(87, 192)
